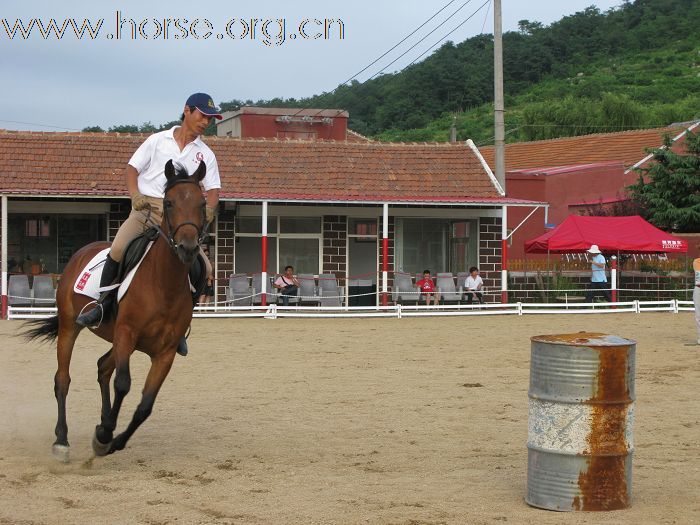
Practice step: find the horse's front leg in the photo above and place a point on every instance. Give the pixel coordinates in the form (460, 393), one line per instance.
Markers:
(160, 366)
(103, 436)
(123, 346)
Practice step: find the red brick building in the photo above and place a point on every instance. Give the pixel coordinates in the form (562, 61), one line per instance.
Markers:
(325, 204)
(285, 123)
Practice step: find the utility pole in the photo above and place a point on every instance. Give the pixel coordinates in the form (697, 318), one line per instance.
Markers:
(500, 135)
(499, 124)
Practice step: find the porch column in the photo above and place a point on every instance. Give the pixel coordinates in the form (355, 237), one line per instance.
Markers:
(385, 254)
(263, 299)
(504, 255)
(613, 278)
(3, 256)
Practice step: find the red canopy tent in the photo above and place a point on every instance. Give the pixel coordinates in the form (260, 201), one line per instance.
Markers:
(612, 235)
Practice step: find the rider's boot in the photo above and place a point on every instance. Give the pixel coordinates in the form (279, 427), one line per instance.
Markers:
(104, 304)
(182, 347)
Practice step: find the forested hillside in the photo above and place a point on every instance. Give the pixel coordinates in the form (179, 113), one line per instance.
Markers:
(634, 66)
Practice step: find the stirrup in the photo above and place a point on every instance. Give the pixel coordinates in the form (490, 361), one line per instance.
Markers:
(91, 317)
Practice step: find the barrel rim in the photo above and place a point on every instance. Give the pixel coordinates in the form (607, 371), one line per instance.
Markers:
(584, 339)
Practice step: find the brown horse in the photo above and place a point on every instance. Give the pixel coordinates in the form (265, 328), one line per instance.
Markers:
(152, 317)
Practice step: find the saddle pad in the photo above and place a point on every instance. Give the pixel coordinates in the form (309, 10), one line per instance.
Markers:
(88, 282)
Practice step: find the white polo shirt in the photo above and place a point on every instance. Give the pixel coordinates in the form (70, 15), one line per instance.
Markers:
(151, 156)
(473, 284)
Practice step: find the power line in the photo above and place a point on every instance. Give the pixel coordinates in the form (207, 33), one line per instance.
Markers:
(431, 47)
(402, 41)
(422, 39)
(448, 34)
(39, 125)
(390, 50)
(486, 17)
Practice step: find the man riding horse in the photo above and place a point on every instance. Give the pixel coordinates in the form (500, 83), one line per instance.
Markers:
(145, 180)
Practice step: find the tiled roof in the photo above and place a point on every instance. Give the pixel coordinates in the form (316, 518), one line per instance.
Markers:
(94, 163)
(627, 147)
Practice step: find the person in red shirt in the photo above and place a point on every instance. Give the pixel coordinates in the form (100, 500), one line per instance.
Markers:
(427, 288)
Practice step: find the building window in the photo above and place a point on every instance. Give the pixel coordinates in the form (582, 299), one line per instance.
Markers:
(292, 241)
(363, 230)
(37, 227)
(440, 245)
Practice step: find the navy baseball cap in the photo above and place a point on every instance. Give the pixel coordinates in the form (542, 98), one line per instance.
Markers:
(205, 104)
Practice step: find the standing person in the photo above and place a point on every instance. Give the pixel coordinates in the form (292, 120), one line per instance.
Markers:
(696, 294)
(599, 282)
(287, 284)
(473, 284)
(208, 293)
(145, 181)
(427, 288)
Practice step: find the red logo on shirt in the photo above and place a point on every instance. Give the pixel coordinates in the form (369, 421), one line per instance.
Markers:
(200, 156)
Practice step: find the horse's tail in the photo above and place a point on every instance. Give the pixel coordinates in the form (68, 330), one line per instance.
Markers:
(46, 329)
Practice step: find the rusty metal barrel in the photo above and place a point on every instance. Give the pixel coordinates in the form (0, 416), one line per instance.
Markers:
(581, 413)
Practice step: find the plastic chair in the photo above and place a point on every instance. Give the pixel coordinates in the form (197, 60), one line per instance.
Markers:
(18, 290)
(461, 279)
(239, 291)
(43, 291)
(403, 290)
(271, 296)
(308, 293)
(446, 288)
(328, 290)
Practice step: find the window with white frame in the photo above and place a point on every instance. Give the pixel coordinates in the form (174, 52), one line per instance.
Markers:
(295, 241)
(436, 244)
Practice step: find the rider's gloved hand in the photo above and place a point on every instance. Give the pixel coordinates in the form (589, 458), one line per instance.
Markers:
(139, 202)
(210, 214)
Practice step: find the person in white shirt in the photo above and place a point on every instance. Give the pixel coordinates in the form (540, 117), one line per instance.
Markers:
(145, 181)
(473, 284)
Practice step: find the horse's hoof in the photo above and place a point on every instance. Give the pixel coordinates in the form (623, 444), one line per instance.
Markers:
(100, 449)
(61, 453)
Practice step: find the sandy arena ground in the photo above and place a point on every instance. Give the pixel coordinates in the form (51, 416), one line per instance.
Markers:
(337, 421)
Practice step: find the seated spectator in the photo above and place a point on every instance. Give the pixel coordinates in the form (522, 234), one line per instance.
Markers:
(427, 288)
(287, 284)
(473, 284)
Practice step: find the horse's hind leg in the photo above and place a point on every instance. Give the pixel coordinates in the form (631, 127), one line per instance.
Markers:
(65, 343)
(103, 435)
(160, 366)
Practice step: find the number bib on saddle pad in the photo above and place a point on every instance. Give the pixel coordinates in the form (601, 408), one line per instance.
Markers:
(88, 281)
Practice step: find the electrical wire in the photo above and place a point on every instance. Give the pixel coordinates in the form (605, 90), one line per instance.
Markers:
(403, 54)
(486, 17)
(39, 125)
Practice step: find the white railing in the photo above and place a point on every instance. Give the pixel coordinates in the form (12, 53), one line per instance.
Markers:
(399, 311)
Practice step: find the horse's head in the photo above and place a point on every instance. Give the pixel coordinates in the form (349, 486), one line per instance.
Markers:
(184, 214)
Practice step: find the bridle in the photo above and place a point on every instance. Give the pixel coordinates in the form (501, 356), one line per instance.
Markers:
(170, 235)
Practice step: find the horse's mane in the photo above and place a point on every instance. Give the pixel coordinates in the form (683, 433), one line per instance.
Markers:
(181, 175)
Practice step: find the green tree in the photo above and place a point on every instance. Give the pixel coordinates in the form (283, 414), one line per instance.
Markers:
(93, 129)
(669, 188)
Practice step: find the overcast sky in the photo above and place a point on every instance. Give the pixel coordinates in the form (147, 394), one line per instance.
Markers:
(71, 83)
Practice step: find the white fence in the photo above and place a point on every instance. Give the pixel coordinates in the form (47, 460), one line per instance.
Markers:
(398, 311)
